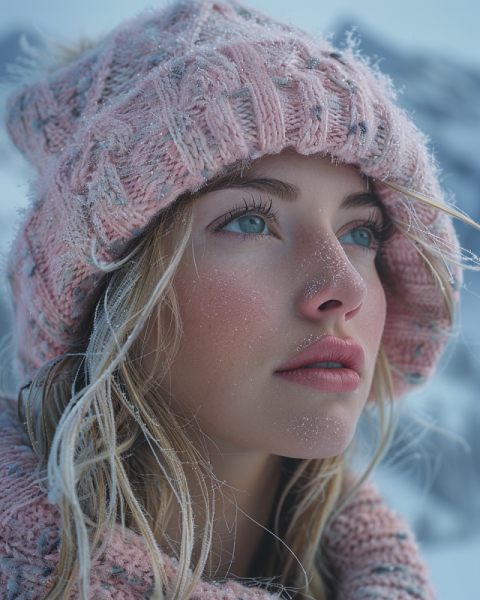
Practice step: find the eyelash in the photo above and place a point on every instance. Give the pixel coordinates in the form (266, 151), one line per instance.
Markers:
(380, 228)
(263, 209)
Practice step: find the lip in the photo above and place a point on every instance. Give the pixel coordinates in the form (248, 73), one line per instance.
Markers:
(330, 348)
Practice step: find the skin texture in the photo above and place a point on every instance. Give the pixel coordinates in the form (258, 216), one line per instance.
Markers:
(248, 304)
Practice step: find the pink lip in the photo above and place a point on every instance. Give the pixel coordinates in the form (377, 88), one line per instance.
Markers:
(330, 348)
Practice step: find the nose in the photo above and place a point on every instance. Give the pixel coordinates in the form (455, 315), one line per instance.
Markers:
(333, 289)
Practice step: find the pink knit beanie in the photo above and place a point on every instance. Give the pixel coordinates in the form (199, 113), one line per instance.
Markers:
(165, 102)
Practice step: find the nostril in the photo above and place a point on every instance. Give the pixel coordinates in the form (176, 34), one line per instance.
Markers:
(330, 304)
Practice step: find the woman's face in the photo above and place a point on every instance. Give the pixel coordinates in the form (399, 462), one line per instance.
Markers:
(268, 286)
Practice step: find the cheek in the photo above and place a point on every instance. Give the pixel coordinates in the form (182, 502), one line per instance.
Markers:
(377, 309)
(230, 322)
(227, 318)
(372, 318)
(226, 307)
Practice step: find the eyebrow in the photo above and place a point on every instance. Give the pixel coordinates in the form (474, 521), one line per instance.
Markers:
(284, 190)
(281, 189)
(362, 199)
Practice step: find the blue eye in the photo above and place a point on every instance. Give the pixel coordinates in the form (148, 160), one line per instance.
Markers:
(246, 220)
(360, 237)
(249, 224)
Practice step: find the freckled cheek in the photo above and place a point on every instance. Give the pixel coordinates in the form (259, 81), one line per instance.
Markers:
(225, 315)
(228, 326)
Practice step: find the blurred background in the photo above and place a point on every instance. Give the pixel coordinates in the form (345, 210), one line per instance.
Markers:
(432, 53)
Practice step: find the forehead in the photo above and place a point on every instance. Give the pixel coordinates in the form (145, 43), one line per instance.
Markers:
(291, 176)
(312, 170)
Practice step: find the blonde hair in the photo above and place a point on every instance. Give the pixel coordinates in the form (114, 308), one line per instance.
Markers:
(113, 451)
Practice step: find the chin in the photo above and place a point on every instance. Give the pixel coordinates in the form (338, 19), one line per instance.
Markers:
(319, 436)
(313, 450)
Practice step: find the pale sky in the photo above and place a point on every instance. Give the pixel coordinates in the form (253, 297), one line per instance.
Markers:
(449, 27)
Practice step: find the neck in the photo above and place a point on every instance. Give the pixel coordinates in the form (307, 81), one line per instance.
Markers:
(245, 489)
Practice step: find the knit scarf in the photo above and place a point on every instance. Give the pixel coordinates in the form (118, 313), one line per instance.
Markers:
(371, 549)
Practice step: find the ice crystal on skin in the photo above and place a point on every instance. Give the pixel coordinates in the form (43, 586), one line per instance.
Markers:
(335, 431)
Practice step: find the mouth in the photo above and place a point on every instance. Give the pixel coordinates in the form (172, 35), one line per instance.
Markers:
(330, 365)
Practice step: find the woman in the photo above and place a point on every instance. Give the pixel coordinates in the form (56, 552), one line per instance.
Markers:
(237, 243)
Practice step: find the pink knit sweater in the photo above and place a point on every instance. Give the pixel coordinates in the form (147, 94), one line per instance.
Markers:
(372, 550)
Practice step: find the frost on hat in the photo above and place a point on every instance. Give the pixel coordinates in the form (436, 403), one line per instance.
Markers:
(165, 102)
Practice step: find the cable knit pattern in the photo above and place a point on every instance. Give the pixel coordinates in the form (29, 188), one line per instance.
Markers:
(372, 550)
(164, 103)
